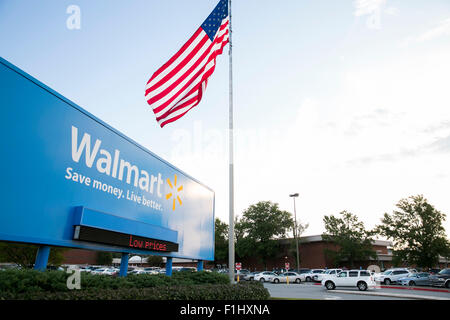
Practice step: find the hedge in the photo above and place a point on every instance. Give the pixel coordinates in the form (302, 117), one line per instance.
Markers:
(28, 280)
(248, 291)
(51, 285)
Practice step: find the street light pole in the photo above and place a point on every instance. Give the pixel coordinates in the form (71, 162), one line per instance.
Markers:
(295, 195)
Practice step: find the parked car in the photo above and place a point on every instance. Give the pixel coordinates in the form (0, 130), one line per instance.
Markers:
(328, 273)
(300, 271)
(350, 278)
(442, 279)
(103, 271)
(84, 269)
(187, 269)
(138, 271)
(93, 268)
(434, 270)
(151, 270)
(55, 268)
(242, 273)
(265, 276)
(8, 266)
(223, 271)
(416, 279)
(393, 275)
(309, 276)
(251, 276)
(284, 277)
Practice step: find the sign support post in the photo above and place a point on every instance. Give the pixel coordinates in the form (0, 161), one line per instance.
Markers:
(42, 258)
(123, 265)
(169, 266)
(200, 265)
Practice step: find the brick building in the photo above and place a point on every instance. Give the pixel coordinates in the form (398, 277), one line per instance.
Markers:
(311, 250)
(79, 256)
(312, 255)
(89, 257)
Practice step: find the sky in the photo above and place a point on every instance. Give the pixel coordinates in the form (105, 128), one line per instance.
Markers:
(343, 102)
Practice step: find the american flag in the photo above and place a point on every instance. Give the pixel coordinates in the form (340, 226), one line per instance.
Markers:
(178, 86)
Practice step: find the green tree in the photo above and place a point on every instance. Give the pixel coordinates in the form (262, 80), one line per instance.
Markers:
(104, 258)
(220, 240)
(417, 232)
(301, 228)
(243, 244)
(25, 254)
(353, 242)
(261, 225)
(155, 261)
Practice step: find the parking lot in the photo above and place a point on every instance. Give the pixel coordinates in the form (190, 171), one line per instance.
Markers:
(318, 292)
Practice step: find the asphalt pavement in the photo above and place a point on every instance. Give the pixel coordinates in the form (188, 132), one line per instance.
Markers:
(312, 291)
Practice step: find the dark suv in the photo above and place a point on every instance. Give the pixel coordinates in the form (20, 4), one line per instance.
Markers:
(442, 279)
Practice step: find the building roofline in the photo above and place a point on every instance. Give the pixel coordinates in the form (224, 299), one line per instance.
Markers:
(318, 238)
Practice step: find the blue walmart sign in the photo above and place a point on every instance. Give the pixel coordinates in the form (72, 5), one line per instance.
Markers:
(64, 169)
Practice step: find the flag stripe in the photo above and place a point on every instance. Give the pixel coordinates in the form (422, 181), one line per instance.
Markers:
(170, 99)
(178, 86)
(193, 57)
(179, 54)
(162, 124)
(181, 112)
(181, 105)
(177, 82)
(177, 114)
(194, 95)
(202, 35)
(184, 65)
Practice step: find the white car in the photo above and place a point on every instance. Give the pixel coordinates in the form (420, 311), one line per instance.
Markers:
(392, 275)
(251, 276)
(97, 271)
(327, 274)
(350, 278)
(151, 270)
(291, 276)
(107, 271)
(265, 276)
(138, 271)
(310, 276)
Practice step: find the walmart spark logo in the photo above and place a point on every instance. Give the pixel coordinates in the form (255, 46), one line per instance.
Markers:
(176, 190)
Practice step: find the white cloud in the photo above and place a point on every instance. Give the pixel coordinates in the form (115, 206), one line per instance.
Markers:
(373, 9)
(391, 11)
(440, 29)
(367, 7)
(354, 150)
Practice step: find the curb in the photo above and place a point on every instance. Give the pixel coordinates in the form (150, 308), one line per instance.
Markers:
(394, 295)
(415, 288)
(405, 288)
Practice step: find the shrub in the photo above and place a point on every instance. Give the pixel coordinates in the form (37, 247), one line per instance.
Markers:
(51, 285)
(22, 281)
(28, 280)
(252, 291)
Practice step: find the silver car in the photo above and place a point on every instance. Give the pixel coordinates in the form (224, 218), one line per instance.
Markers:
(310, 275)
(265, 276)
(287, 276)
(416, 279)
(251, 276)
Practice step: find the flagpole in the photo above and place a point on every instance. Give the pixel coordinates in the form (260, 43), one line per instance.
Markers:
(231, 164)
